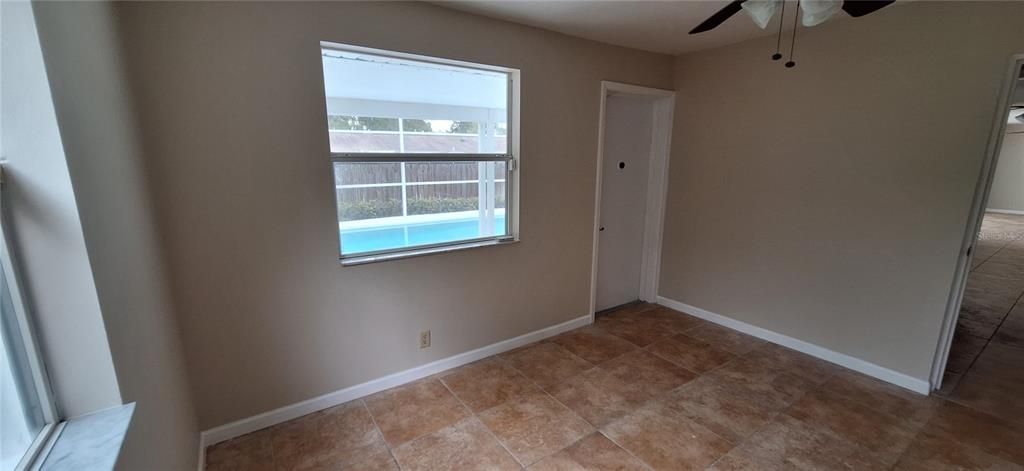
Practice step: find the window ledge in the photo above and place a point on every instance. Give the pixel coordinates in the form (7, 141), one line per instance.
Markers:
(358, 260)
(91, 441)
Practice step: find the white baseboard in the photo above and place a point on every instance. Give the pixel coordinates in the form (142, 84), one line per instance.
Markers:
(899, 379)
(283, 414)
(1005, 211)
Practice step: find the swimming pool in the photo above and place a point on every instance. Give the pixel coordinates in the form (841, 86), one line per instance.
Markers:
(356, 240)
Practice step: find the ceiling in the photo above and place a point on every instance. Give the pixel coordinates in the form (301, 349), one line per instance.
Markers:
(658, 26)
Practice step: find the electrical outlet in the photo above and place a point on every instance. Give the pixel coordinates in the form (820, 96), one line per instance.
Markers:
(425, 339)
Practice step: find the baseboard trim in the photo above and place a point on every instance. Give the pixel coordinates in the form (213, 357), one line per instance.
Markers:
(917, 385)
(283, 414)
(1005, 211)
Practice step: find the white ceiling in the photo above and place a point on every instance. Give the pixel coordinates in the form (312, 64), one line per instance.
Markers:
(659, 26)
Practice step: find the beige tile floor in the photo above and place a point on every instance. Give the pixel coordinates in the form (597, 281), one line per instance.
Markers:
(645, 388)
(985, 370)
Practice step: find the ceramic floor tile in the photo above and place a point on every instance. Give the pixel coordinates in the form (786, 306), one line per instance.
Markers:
(722, 406)
(598, 396)
(640, 331)
(672, 320)
(788, 444)
(1009, 255)
(487, 383)
(593, 344)
(1011, 332)
(999, 268)
(883, 435)
(773, 382)
(465, 445)
(337, 438)
(546, 363)
(690, 353)
(725, 338)
(650, 374)
(665, 440)
(995, 384)
(778, 358)
(594, 452)
(382, 461)
(414, 409)
(930, 452)
(964, 349)
(882, 396)
(535, 426)
(949, 383)
(248, 452)
(992, 435)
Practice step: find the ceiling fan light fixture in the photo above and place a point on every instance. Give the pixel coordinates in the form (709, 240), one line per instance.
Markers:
(817, 12)
(761, 11)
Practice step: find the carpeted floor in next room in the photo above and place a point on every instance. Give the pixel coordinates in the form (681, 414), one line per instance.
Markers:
(643, 388)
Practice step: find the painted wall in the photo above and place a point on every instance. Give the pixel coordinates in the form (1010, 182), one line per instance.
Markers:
(233, 117)
(833, 207)
(105, 159)
(44, 223)
(1008, 185)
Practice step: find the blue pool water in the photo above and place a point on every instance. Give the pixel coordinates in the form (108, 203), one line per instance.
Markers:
(391, 237)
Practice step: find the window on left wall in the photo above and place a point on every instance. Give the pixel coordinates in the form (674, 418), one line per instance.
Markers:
(423, 152)
(27, 412)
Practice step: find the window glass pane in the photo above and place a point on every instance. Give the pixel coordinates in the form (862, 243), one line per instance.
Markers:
(379, 104)
(369, 203)
(367, 173)
(443, 198)
(436, 203)
(361, 141)
(438, 144)
(441, 171)
(21, 417)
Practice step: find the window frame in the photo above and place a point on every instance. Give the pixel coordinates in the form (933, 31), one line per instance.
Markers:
(510, 157)
(35, 366)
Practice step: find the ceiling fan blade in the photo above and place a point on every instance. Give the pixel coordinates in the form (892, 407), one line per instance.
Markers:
(858, 8)
(718, 18)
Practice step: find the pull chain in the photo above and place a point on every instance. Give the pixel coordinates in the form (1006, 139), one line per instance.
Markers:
(778, 40)
(792, 44)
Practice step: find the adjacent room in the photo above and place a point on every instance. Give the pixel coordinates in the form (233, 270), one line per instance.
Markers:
(983, 368)
(496, 234)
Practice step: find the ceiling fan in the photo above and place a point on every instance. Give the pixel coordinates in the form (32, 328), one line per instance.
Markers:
(815, 12)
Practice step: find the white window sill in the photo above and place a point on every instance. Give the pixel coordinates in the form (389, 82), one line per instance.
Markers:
(363, 260)
(90, 442)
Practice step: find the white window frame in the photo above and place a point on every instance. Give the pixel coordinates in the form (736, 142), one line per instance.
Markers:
(510, 157)
(45, 397)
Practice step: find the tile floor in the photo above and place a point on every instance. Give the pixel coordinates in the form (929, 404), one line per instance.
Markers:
(643, 388)
(985, 370)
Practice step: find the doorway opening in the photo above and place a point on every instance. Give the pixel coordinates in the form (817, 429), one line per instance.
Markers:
(632, 180)
(981, 347)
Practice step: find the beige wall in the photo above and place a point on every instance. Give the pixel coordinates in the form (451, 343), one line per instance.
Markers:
(43, 221)
(1008, 184)
(828, 202)
(232, 109)
(106, 167)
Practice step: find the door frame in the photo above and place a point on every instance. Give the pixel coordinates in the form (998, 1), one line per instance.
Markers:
(970, 239)
(657, 185)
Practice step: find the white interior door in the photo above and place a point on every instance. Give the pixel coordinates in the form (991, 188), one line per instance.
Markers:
(627, 151)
